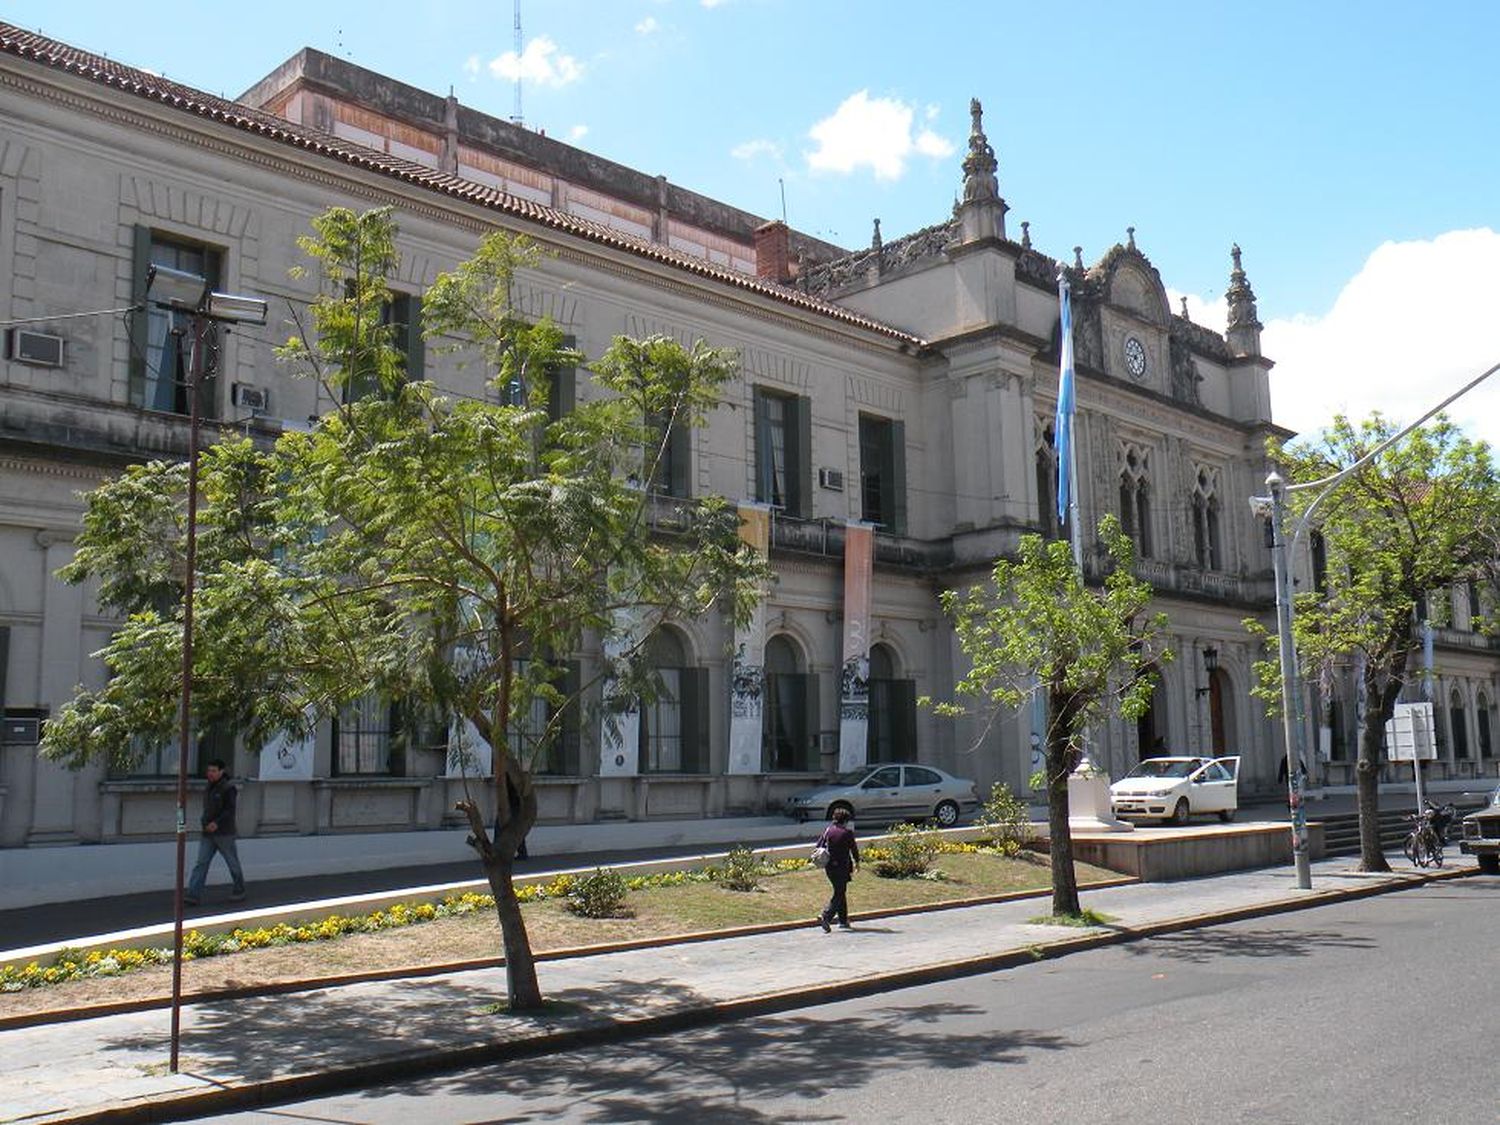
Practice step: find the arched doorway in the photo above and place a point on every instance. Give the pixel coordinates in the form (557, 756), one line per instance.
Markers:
(788, 736)
(893, 710)
(1151, 727)
(1220, 714)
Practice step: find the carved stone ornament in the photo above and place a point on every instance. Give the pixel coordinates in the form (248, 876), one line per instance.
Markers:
(980, 182)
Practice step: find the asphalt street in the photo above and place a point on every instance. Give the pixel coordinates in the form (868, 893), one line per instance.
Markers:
(1374, 1010)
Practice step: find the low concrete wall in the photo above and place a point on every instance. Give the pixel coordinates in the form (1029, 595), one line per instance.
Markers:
(1160, 855)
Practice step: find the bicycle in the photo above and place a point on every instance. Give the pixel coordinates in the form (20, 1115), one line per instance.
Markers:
(1424, 843)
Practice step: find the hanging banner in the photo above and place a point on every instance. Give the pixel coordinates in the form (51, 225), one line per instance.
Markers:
(620, 717)
(747, 674)
(469, 755)
(854, 676)
(287, 757)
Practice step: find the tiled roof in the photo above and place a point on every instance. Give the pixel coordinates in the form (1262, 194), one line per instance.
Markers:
(40, 49)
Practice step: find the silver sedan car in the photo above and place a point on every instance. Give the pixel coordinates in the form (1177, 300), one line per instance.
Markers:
(889, 791)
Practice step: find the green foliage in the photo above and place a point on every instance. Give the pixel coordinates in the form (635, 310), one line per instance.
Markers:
(908, 854)
(1007, 816)
(1083, 919)
(599, 894)
(741, 870)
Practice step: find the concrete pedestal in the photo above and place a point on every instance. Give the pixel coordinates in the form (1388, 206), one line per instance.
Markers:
(1089, 808)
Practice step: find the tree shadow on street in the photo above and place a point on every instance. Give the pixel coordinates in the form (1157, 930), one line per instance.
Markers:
(1202, 946)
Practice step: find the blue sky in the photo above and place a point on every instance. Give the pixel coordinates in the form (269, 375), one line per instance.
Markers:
(1350, 148)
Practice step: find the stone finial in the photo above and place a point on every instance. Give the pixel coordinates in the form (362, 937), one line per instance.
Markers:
(875, 243)
(980, 182)
(1025, 236)
(1184, 309)
(1243, 331)
(1130, 238)
(1078, 257)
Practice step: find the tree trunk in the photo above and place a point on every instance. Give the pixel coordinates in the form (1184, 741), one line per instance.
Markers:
(1379, 709)
(1061, 760)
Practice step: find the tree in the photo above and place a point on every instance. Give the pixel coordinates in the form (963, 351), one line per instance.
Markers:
(449, 552)
(1422, 516)
(1037, 627)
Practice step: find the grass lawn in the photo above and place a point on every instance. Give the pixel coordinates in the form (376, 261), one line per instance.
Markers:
(657, 912)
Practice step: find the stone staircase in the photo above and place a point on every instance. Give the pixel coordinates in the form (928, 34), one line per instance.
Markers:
(1341, 830)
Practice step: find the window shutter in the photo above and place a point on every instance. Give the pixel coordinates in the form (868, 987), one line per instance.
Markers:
(415, 346)
(680, 442)
(572, 724)
(812, 753)
(799, 457)
(762, 447)
(4, 662)
(896, 519)
(140, 262)
(695, 728)
(562, 395)
(903, 700)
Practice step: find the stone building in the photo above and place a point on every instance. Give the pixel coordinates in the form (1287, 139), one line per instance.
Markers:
(891, 427)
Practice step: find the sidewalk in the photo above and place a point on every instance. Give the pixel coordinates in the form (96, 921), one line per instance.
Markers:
(243, 1053)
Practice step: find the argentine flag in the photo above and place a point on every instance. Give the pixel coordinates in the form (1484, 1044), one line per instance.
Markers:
(1063, 429)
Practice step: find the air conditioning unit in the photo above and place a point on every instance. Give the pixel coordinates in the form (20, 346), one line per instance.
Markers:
(40, 349)
(21, 731)
(257, 400)
(832, 479)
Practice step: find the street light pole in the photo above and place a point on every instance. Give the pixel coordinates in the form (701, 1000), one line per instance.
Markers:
(1282, 553)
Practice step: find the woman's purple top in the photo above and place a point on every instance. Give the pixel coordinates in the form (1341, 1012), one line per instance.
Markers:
(843, 852)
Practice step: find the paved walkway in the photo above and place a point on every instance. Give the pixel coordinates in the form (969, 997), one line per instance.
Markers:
(247, 1052)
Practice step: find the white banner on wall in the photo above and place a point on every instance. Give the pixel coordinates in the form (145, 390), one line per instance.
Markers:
(854, 677)
(620, 718)
(286, 757)
(747, 674)
(469, 755)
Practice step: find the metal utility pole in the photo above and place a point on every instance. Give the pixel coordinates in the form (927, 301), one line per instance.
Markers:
(515, 118)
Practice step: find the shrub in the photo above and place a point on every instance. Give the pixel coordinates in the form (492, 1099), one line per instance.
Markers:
(599, 894)
(908, 854)
(741, 870)
(1008, 817)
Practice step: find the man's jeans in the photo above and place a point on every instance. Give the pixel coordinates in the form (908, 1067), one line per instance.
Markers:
(226, 846)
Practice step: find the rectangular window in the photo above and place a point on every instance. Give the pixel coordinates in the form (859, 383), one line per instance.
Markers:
(160, 760)
(403, 313)
(552, 748)
(783, 452)
(362, 736)
(159, 339)
(670, 453)
(882, 472)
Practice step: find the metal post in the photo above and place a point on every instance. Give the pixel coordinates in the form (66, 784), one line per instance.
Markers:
(1290, 714)
(194, 373)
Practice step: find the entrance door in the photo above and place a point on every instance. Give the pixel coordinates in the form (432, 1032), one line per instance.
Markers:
(1218, 688)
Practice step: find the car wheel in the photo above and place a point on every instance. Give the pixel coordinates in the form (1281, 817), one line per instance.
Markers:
(946, 814)
(845, 805)
(1181, 813)
(1489, 864)
(1226, 815)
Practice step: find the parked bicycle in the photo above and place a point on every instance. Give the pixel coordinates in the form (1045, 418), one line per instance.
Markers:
(1429, 832)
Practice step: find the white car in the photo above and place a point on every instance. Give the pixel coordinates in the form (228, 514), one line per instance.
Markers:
(1174, 789)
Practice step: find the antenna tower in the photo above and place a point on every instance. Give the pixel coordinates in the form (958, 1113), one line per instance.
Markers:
(516, 118)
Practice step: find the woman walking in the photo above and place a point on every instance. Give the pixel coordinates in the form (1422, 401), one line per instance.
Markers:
(843, 861)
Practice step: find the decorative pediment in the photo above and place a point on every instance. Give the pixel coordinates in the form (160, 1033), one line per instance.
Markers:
(1127, 280)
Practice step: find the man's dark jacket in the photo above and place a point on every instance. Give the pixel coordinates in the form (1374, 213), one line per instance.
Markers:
(218, 806)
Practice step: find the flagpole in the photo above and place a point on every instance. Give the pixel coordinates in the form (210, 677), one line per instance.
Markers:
(1067, 448)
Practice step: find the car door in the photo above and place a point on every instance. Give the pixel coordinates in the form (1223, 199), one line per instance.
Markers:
(921, 791)
(880, 795)
(1214, 788)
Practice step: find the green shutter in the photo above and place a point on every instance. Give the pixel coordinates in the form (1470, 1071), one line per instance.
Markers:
(139, 320)
(896, 489)
(799, 457)
(695, 728)
(566, 760)
(812, 758)
(562, 393)
(680, 443)
(416, 345)
(762, 447)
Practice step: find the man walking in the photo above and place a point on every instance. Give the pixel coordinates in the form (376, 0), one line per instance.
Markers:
(218, 835)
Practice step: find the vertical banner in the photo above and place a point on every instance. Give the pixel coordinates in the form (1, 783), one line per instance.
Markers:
(747, 674)
(854, 676)
(469, 755)
(620, 717)
(287, 757)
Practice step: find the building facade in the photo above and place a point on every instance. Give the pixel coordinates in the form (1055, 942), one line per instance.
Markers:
(888, 438)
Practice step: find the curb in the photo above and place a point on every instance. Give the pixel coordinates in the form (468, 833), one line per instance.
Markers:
(410, 972)
(256, 1095)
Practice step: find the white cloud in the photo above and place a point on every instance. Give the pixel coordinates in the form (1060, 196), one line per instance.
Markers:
(540, 62)
(1211, 312)
(712, 3)
(1413, 326)
(749, 150)
(647, 26)
(874, 133)
(577, 133)
(471, 66)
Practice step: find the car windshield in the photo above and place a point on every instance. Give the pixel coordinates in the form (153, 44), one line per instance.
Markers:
(1165, 767)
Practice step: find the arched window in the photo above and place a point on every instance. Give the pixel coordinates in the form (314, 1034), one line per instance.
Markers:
(1135, 499)
(1486, 746)
(893, 710)
(662, 731)
(789, 734)
(1208, 543)
(1456, 719)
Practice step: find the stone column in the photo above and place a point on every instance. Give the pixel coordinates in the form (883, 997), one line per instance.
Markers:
(54, 788)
